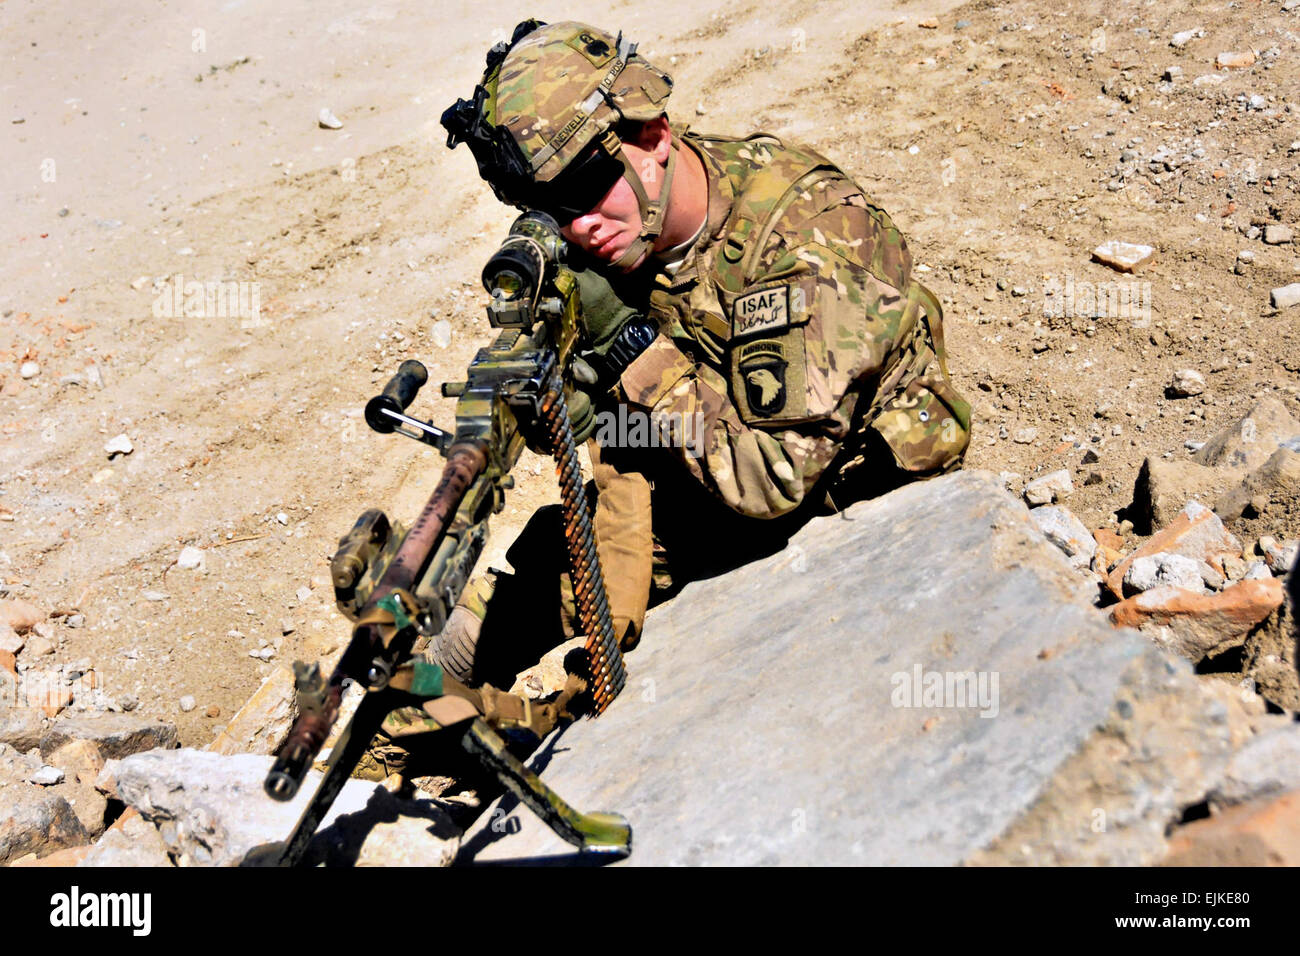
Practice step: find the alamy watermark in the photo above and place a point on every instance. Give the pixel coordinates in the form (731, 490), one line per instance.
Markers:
(1115, 300)
(922, 688)
(634, 428)
(214, 299)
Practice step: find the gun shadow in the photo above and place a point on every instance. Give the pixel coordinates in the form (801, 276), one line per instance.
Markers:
(498, 827)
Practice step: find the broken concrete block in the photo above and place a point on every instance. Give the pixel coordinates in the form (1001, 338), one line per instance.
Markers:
(1067, 532)
(210, 810)
(1249, 442)
(832, 769)
(1201, 625)
(114, 735)
(1196, 533)
(263, 722)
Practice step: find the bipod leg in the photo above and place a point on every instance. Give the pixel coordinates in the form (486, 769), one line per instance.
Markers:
(604, 833)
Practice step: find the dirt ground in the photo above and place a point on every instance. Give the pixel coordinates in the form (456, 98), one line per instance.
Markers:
(1006, 140)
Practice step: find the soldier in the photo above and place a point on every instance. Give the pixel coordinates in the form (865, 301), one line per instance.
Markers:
(741, 296)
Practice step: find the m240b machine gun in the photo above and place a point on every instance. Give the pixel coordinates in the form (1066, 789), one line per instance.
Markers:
(397, 584)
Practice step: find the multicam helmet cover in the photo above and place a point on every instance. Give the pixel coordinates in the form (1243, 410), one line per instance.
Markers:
(542, 123)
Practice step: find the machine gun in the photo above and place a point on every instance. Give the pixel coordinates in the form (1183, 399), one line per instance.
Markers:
(398, 584)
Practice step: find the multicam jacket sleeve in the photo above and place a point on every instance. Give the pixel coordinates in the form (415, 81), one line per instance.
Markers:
(763, 375)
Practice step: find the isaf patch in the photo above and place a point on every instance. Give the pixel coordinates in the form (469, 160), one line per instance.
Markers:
(759, 312)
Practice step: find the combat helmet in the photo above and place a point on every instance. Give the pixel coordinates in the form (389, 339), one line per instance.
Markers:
(543, 121)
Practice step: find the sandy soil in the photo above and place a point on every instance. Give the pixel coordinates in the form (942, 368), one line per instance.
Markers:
(138, 149)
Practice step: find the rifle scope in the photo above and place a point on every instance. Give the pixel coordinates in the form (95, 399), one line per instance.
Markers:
(517, 270)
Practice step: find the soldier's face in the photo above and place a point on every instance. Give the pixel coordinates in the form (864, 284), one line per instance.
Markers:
(615, 223)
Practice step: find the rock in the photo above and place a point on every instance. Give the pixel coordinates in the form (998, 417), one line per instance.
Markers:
(155, 596)
(120, 445)
(187, 703)
(440, 332)
(548, 675)
(72, 856)
(1250, 441)
(1055, 486)
(303, 594)
(1279, 478)
(282, 517)
(1067, 532)
(262, 723)
(1123, 256)
(327, 120)
(1265, 765)
(1196, 533)
(135, 843)
(1262, 833)
(1282, 559)
(82, 759)
(1187, 382)
(1284, 297)
(46, 777)
(210, 810)
(1025, 436)
(38, 645)
(10, 642)
(1258, 571)
(22, 727)
(1172, 73)
(114, 735)
(1184, 37)
(29, 370)
(1163, 570)
(1136, 741)
(1201, 625)
(34, 820)
(190, 559)
(19, 615)
(15, 766)
(1235, 61)
(1276, 234)
(1164, 487)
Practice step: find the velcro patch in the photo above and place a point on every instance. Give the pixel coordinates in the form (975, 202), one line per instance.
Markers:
(761, 311)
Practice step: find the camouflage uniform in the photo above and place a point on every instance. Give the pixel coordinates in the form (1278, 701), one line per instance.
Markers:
(791, 323)
(792, 328)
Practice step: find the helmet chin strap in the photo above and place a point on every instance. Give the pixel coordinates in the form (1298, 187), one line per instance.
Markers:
(652, 213)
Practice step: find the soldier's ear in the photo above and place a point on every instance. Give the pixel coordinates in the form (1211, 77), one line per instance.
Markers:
(655, 138)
